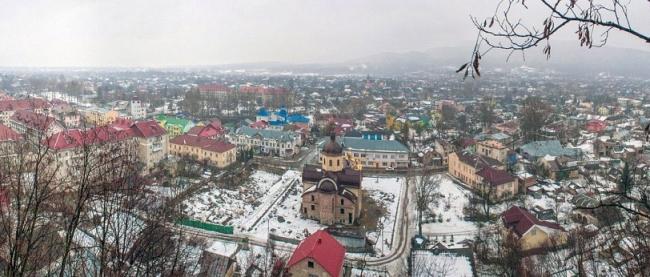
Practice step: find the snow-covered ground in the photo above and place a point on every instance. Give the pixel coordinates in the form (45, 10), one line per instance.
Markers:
(449, 206)
(427, 264)
(387, 192)
(239, 207)
(284, 218)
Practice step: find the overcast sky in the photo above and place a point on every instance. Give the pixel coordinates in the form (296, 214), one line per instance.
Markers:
(172, 33)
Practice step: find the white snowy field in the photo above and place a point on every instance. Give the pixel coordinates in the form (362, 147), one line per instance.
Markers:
(428, 264)
(284, 218)
(237, 207)
(449, 206)
(387, 192)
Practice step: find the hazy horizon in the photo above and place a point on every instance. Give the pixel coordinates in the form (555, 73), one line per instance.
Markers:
(171, 33)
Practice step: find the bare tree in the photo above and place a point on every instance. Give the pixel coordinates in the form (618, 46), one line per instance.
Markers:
(513, 28)
(426, 188)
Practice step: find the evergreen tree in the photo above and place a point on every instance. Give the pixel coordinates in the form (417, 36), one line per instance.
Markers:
(625, 185)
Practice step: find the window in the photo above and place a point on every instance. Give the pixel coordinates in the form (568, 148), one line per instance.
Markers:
(330, 162)
(313, 207)
(310, 264)
(342, 201)
(342, 211)
(312, 198)
(338, 162)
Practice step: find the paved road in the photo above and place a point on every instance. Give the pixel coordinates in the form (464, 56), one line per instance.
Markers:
(406, 224)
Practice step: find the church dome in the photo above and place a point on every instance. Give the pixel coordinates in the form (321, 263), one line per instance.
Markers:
(327, 185)
(333, 147)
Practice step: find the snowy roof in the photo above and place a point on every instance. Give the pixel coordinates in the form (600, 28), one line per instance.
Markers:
(223, 248)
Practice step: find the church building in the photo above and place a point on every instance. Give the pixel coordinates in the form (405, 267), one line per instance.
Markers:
(332, 192)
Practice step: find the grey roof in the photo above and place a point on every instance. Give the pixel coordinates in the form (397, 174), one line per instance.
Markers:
(267, 134)
(548, 147)
(360, 144)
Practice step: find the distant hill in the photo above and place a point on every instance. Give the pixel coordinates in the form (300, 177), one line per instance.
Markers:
(566, 57)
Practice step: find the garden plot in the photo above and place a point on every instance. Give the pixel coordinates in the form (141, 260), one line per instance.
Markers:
(234, 207)
(386, 192)
(448, 209)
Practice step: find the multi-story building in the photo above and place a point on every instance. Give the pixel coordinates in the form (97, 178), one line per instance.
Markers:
(212, 130)
(483, 173)
(99, 117)
(137, 109)
(378, 154)
(104, 143)
(218, 153)
(8, 107)
(34, 126)
(492, 149)
(175, 126)
(332, 192)
(8, 140)
(270, 142)
(152, 141)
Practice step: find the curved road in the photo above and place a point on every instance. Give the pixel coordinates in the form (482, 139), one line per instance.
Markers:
(405, 223)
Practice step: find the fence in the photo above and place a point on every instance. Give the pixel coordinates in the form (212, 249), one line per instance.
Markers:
(229, 230)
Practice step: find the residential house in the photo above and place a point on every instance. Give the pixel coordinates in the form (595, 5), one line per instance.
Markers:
(99, 117)
(175, 126)
(319, 255)
(34, 126)
(537, 149)
(212, 130)
(378, 154)
(9, 106)
(559, 168)
(499, 184)
(492, 149)
(216, 152)
(270, 142)
(464, 166)
(152, 143)
(533, 234)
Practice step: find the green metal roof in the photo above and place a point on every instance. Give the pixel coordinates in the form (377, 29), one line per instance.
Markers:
(360, 144)
(267, 134)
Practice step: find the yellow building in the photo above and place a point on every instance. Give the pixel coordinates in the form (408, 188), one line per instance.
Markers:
(218, 153)
(100, 117)
(492, 149)
(532, 233)
(482, 174)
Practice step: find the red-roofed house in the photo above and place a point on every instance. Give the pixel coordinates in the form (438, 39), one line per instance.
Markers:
(213, 130)
(318, 255)
(219, 153)
(532, 232)
(152, 142)
(9, 106)
(499, 183)
(67, 147)
(595, 126)
(30, 123)
(8, 139)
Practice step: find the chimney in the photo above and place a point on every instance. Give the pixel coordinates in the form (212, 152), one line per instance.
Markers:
(319, 241)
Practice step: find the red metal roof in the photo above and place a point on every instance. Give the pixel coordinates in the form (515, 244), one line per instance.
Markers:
(76, 138)
(495, 176)
(211, 88)
(211, 130)
(520, 220)
(7, 134)
(323, 249)
(148, 129)
(32, 119)
(23, 104)
(207, 144)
